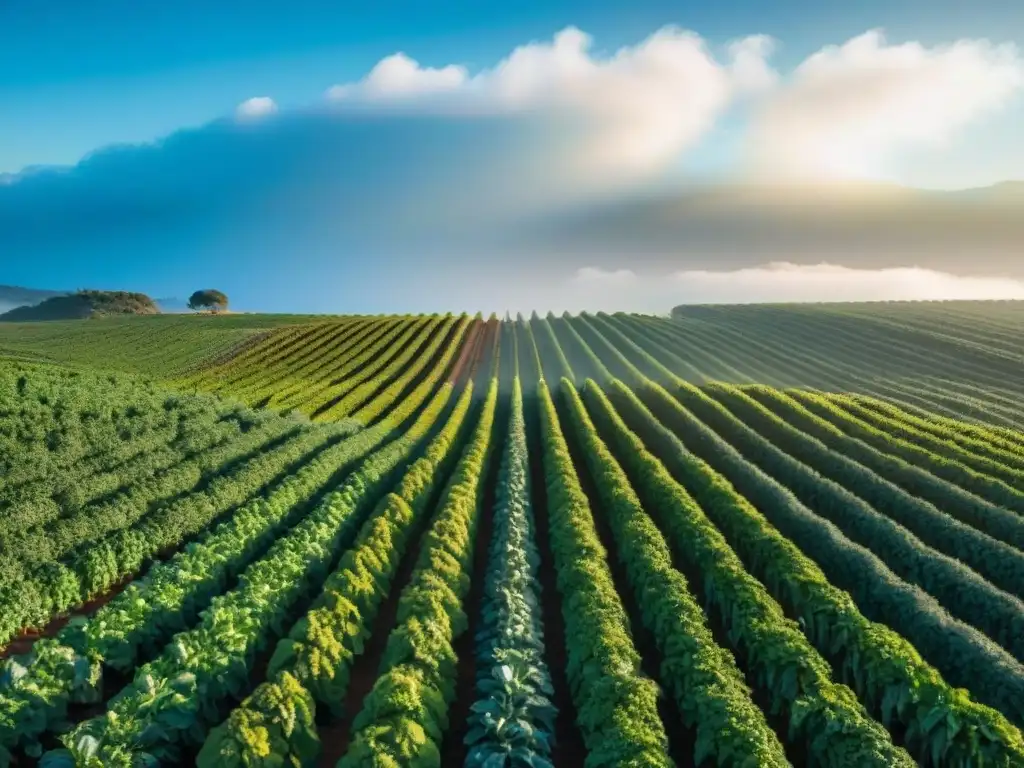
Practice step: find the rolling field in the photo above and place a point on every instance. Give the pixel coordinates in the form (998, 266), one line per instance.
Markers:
(743, 536)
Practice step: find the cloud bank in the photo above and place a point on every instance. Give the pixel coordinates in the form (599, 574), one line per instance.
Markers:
(624, 289)
(417, 170)
(847, 109)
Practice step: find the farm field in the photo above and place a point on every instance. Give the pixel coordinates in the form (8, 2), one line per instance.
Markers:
(751, 535)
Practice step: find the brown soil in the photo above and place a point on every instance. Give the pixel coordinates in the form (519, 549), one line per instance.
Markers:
(469, 344)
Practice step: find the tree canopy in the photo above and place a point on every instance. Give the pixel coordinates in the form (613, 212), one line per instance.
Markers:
(208, 299)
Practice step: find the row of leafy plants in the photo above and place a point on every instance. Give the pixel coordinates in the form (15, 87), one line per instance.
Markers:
(55, 422)
(383, 367)
(888, 673)
(404, 717)
(268, 353)
(511, 724)
(94, 566)
(852, 507)
(824, 719)
(978, 500)
(65, 670)
(310, 667)
(174, 699)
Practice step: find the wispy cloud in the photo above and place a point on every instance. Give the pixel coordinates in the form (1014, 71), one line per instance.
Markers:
(257, 106)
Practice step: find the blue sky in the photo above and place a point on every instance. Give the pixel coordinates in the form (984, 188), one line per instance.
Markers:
(78, 76)
(274, 206)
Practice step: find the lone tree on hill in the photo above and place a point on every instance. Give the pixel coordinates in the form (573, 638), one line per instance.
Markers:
(215, 301)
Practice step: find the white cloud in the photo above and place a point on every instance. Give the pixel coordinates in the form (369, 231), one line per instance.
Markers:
(400, 76)
(257, 106)
(631, 112)
(848, 109)
(598, 289)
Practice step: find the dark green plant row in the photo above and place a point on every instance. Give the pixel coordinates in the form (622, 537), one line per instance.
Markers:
(404, 717)
(512, 719)
(980, 501)
(825, 719)
(961, 590)
(700, 675)
(616, 704)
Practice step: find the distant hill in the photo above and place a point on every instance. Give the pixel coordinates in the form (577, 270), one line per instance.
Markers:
(12, 296)
(83, 305)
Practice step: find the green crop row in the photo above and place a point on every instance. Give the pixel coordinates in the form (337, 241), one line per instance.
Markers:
(512, 718)
(825, 719)
(174, 699)
(405, 715)
(961, 590)
(313, 662)
(616, 705)
(980, 501)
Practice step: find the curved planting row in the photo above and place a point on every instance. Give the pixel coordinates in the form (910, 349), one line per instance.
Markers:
(385, 367)
(404, 717)
(950, 486)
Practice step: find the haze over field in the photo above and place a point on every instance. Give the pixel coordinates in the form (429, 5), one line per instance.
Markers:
(766, 158)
